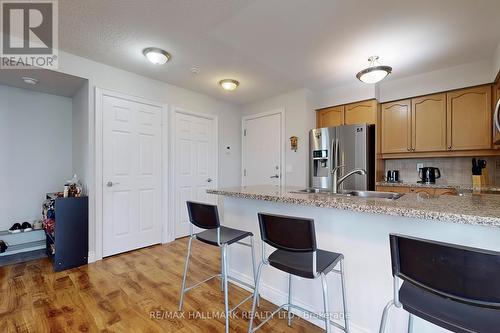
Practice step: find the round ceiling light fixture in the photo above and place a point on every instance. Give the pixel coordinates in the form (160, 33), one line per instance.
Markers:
(156, 56)
(229, 84)
(29, 80)
(375, 72)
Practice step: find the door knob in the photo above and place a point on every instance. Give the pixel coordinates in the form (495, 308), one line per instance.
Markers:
(209, 180)
(275, 176)
(110, 184)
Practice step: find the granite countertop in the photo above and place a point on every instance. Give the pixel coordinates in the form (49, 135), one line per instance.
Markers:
(473, 209)
(463, 187)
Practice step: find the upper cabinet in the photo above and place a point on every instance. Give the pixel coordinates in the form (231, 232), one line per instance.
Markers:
(446, 124)
(361, 112)
(428, 119)
(396, 128)
(330, 117)
(469, 119)
(348, 114)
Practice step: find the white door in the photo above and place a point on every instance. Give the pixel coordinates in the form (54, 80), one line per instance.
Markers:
(195, 164)
(131, 175)
(262, 149)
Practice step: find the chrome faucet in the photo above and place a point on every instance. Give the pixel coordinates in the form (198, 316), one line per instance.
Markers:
(336, 182)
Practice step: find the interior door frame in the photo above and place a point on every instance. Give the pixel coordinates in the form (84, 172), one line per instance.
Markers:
(282, 112)
(171, 175)
(100, 93)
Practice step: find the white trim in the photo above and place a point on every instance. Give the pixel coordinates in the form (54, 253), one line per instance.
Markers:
(282, 113)
(165, 124)
(98, 172)
(171, 177)
(277, 297)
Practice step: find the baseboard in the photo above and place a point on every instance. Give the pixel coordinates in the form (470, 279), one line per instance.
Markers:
(278, 298)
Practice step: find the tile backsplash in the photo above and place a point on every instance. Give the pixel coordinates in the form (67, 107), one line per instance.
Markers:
(454, 170)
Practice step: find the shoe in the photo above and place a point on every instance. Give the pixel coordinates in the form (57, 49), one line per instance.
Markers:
(37, 225)
(26, 227)
(15, 229)
(3, 246)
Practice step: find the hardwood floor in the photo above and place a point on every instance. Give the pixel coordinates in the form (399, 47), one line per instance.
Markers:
(132, 292)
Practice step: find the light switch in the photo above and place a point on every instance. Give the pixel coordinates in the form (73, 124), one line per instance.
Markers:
(419, 166)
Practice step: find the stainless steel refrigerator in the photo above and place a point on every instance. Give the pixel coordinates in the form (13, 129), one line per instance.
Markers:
(349, 145)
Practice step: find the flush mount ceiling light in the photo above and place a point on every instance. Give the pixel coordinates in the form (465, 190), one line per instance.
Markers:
(375, 72)
(29, 80)
(156, 56)
(229, 84)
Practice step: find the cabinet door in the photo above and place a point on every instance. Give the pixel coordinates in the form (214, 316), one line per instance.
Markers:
(496, 98)
(393, 189)
(330, 117)
(469, 119)
(396, 127)
(428, 129)
(361, 112)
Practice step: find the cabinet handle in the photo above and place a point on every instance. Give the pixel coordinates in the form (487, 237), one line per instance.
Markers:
(449, 147)
(408, 148)
(413, 149)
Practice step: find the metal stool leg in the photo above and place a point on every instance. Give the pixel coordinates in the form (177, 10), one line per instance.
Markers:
(410, 323)
(221, 269)
(254, 268)
(255, 296)
(325, 302)
(384, 316)
(183, 287)
(226, 301)
(289, 299)
(344, 296)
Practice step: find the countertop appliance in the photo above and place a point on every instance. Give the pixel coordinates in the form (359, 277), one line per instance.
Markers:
(393, 176)
(428, 175)
(352, 146)
(496, 120)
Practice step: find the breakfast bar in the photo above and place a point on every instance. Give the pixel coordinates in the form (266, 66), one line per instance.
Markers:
(359, 228)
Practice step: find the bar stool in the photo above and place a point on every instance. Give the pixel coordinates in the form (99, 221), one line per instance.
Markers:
(452, 286)
(207, 217)
(297, 254)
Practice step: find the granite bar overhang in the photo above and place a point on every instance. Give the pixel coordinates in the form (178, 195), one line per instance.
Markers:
(469, 208)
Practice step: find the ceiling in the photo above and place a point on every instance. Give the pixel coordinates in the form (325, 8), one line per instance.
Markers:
(49, 82)
(274, 46)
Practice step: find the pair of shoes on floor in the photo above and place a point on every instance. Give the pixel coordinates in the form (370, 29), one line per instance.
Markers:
(17, 228)
(3, 246)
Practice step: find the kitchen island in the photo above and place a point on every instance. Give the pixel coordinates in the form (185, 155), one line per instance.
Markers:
(359, 228)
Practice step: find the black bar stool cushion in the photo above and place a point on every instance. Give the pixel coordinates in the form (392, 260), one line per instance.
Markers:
(227, 236)
(447, 313)
(300, 263)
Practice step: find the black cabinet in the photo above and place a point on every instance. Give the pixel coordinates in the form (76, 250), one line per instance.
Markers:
(68, 246)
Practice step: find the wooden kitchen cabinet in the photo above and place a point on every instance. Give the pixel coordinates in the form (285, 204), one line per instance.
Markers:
(469, 120)
(396, 127)
(330, 117)
(428, 119)
(429, 190)
(361, 112)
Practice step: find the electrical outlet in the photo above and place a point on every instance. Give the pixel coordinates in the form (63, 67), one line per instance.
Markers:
(419, 166)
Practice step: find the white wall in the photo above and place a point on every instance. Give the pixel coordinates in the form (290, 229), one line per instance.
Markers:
(35, 150)
(465, 75)
(496, 60)
(456, 77)
(299, 118)
(81, 148)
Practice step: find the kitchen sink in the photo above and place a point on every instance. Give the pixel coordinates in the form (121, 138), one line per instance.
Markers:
(347, 193)
(308, 191)
(373, 194)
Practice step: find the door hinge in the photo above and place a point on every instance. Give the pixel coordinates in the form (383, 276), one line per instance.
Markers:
(245, 132)
(244, 172)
